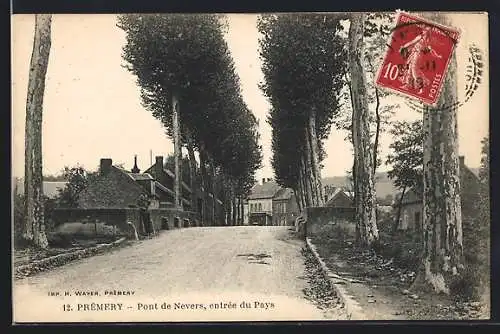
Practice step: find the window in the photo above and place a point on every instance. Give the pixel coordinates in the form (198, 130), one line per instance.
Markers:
(260, 206)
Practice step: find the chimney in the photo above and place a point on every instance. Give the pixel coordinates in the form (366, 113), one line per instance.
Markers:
(159, 167)
(462, 160)
(263, 180)
(135, 169)
(105, 165)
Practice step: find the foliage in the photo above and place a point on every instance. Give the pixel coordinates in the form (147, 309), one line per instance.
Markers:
(377, 29)
(19, 218)
(406, 157)
(187, 56)
(476, 242)
(77, 180)
(302, 57)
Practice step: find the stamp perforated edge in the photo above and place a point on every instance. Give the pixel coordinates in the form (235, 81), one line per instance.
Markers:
(406, 95)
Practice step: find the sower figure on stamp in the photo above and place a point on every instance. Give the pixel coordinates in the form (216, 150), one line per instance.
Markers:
(414, 78)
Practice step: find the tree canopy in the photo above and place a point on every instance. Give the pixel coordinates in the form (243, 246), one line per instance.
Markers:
(302, 58)
(406, 157)
(187, 56)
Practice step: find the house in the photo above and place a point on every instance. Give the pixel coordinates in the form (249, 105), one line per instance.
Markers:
(285, 207)
(338, 197)
(115, 187)
(130, 202)
(412, 206)
(166, 178)
(118, 197)
(260, 202)
(270, 204)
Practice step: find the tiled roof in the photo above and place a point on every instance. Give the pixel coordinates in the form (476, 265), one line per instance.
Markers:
(140, 176)
(339, 192)
(283, 194)
(266, 190)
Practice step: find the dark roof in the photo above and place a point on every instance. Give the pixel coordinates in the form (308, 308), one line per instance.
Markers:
(339, 192)
(283, 194)
(266, 190)
(411, 197)
(160, 186)
(383, 184)
(151, 171)
(140, 176)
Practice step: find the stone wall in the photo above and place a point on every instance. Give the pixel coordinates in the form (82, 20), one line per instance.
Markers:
(105, 218)
(164, 219)
(80, 220)
(320, 219)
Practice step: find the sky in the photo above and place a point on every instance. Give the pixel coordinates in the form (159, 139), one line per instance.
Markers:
(92, 106)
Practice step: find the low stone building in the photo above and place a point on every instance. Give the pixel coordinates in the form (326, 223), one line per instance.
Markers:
(270, 204)
(412, 207)
(119, 198)
(115, 187)
(260, 202)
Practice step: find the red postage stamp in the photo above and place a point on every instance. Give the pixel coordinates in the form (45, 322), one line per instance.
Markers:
(417, 58)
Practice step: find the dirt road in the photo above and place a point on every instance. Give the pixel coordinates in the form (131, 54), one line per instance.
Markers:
(194, 274)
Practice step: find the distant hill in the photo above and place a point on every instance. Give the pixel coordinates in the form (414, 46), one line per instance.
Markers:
(383, 185)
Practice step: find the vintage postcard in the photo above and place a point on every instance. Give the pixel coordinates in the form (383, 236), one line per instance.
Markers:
(250, 167)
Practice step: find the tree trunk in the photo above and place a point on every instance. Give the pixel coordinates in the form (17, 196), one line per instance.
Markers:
(400, 204)
(355, 183)
(366, 203)
(177, 151)
(214, 199)
(238, 211)
(300, 189)
(204, 178)
(357, 195)
(235, 207)
(34, 231)
(309, 167)
(307, 184)
(377, 130)
(442, 260)
(313, 141)
(192, 171)
(297, 199)
(242, 210)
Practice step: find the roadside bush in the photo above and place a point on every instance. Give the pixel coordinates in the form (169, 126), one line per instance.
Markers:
(19, 219)
(475, 280)
(59, 240)
(334, 235)
(403, 246)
